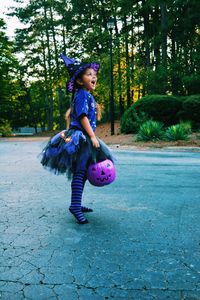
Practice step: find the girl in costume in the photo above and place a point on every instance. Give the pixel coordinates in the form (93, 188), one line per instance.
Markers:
(73, 150)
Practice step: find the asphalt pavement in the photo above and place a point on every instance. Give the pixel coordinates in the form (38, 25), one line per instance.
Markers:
(142, 240)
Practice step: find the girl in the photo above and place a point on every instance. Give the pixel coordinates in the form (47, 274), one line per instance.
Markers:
(73, 150)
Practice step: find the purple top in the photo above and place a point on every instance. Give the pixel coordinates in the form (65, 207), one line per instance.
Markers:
(83, 104)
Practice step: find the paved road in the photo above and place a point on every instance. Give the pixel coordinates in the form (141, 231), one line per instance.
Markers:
(142, 240)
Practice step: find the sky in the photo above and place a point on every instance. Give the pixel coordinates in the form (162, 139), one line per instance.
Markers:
(11, 22)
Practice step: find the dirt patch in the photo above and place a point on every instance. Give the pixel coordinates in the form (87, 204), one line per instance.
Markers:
(103, 131)
(120, 140)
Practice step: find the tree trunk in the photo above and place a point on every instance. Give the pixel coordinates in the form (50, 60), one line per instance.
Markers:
(156, 37)
(45, 79)
(163, 11)
(146, 33)
(121, 104)
(64, 38)
(57, 69)
(127, 64)
(132, 47)
(173, 61)
(54, 41)
(50, 98)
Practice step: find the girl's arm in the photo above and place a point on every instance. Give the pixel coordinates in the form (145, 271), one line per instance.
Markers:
(86, 125)
(67, 118)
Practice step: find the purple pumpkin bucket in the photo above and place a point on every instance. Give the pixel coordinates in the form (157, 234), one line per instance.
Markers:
(101, 173)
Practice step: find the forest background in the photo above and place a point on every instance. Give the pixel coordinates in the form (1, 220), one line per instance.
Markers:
(156, 50)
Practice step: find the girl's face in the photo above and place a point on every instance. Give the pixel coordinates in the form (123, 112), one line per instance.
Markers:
(89, 79)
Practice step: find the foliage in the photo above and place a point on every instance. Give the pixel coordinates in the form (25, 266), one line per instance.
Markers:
(8, 67)
(176, 132)
(191, 110)
(150, 131)
(129, 121)
(187, 125)
(150, 79)
(155, 51)
(192, 83)
(168, 110)
(5, 128)
(161, 108)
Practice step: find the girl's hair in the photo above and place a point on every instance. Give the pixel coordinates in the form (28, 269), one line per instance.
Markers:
(67, 117)
(79, 77)
(78, 86)
(99, 112)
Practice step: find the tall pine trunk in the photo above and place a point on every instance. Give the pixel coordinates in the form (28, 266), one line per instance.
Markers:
(146, 33)
(64, 37)
(128, 95)
(163, 15)
(132, 54)
(121, 102)
(45, 78)
(50, 94)
(145, 13)
(57, 68)
(174, 86)
(156, 26)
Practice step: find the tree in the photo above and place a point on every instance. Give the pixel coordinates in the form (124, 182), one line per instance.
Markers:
(9, 89)
(155, 49)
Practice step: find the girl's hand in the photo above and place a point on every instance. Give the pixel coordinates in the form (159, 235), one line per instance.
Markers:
(66, 139)
(95, 142)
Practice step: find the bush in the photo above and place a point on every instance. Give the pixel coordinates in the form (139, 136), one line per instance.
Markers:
(187, 125)
(176, 132)
(191, 83)
(191, 110)
(150, 130)
(161, 108)
(5, 129)
(169, 110)
(130, 121)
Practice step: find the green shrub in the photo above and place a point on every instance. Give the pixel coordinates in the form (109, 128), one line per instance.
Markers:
(5, 129)
(169, 110)
(191, 83)
(128, 121)
(161, 108)
(187, 125)
(176, 132)
(150, 131)
(191, 110)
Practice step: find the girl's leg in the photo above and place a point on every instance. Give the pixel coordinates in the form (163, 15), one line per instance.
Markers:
(77, 186)
(84, 208)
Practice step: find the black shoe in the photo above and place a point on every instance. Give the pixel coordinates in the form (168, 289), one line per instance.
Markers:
(86, 209)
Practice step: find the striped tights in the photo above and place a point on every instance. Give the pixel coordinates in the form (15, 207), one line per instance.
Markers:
(77, 185)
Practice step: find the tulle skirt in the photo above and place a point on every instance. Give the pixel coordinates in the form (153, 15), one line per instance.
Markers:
(71, 150)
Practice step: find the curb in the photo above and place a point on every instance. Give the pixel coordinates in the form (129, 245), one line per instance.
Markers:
(165, 148)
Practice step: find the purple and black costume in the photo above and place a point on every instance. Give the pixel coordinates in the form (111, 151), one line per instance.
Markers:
(71, 151)
(77, 154)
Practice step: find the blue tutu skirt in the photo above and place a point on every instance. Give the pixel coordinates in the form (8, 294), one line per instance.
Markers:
(71, 150)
